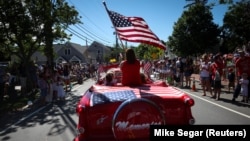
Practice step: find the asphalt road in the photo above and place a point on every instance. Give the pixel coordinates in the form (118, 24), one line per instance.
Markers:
(219, 112)
(52, 122)
(58, 121)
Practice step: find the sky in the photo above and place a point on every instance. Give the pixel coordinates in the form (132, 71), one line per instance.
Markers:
(160, 16)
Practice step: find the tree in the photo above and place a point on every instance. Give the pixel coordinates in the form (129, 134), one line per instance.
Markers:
(115, 53)
(236, 24)
(148, 52)
(195, 2)
(27, 26)
(225, 1)
(58, 15)
(194, 32)
(21, 29)
(204, 2)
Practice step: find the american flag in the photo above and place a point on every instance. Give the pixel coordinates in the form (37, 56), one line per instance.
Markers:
(100, 69)
(134, 29)
(147, 67)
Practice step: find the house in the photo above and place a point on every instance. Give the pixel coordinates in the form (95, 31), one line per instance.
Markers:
(96, 52)
(75, 53)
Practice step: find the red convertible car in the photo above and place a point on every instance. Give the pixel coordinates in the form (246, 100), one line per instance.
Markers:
(125, 113)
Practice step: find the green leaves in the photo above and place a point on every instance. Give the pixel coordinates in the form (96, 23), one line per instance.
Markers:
(236, 24)
(26, 24)
(194, 32)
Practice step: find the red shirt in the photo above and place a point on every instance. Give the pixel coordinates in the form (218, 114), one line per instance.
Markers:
(214, 66)
(131, 73)
(243, 65)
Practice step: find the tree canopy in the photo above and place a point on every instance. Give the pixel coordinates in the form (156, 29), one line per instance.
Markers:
(25, 25)
(236, 31)
(148, 52)
(194, 32)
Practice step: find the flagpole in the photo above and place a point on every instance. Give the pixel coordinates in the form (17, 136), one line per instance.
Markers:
(104, 3)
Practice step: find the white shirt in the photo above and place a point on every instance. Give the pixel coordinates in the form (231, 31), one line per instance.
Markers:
(204, 70)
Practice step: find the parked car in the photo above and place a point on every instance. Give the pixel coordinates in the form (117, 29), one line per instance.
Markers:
(125, 113)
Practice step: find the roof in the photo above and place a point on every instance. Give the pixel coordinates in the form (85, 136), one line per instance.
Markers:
(78, 47)
(99, 45)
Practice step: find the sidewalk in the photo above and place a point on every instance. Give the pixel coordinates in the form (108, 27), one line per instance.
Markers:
(196, 77)
(223, 83)
(19, 110)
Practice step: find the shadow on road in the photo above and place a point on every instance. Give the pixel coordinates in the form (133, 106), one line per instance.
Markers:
(58, 114)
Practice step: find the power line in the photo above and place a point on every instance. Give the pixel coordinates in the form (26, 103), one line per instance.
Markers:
(91, 33)
(78, 34)
(88, 28)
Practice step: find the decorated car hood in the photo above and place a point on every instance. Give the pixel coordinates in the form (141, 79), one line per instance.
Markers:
(125, 113)
(118, 93)
(113, 96)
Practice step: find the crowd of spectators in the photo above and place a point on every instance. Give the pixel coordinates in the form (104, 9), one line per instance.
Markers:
(51, 83)
(212, 69)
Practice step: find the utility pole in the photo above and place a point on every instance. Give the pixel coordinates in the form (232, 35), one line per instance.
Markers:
(116, 46)
(49, 9)
(116, 39)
